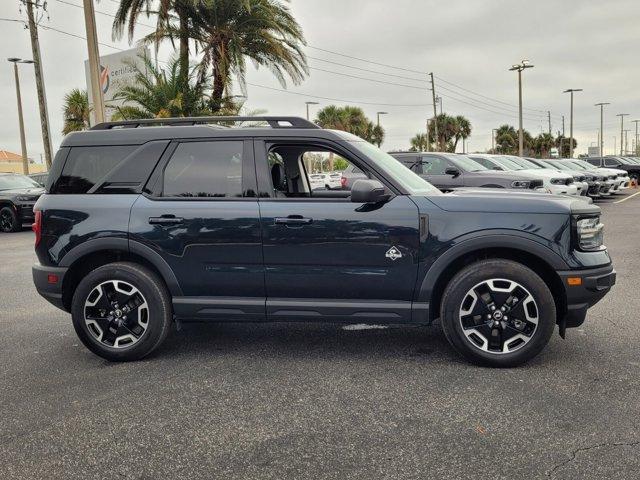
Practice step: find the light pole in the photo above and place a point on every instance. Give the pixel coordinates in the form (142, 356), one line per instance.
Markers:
(23, 143)
(626, 141)
(378, 115)
(519, 68)
(621, 115)
(636, 149)
(493, 139)
(571, 90)
(310, 103)
(601, 143)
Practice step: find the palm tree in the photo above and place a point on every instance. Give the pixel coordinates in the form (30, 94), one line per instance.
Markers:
(174, 19)
(420, 143)
(157, 93)
(463, 130)
(228, 32)
(76, 111)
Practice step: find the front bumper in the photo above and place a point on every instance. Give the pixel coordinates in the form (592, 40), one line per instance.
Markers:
(43, 279)
(595, 283)
(563, 189)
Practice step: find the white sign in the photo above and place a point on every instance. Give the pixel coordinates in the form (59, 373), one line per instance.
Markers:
(116, 70)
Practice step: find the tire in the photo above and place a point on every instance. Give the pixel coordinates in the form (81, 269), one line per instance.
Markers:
(511, 336)
(9, 221)
(136, 326)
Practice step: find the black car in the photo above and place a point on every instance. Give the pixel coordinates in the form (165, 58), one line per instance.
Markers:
(449, 171)
(18, 195)
(143, 227)
(631, 165)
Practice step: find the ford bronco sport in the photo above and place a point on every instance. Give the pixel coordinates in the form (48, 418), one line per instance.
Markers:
(149, 222)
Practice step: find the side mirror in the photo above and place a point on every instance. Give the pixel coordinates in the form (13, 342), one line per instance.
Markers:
(368, 191)
(452, 171)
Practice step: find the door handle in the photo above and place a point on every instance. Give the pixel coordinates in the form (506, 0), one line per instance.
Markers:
(166, 220)
(293, 220)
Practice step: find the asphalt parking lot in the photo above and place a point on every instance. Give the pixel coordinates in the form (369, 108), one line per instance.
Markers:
(319, 401)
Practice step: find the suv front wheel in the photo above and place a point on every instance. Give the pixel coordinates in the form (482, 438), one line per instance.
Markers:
(498, 313)
(121, 311)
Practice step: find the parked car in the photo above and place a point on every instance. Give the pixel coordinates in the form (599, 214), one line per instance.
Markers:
(326, 180)
(449, 171)
(41, 178)
(556, 183)
(141, 227)
(579, 178)
(350, 175)
(18, 195)
(615, 179)
(621, 163)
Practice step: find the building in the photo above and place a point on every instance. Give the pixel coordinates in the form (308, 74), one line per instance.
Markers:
(12, 163)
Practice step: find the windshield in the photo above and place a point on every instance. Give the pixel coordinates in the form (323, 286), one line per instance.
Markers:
(507, 163)
(582, 165)
(10, 182)
(560, 165)
(468, 164)
(528, 163)
(415, 184)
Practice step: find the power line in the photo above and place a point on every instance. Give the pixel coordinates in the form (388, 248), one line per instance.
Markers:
(368, 61)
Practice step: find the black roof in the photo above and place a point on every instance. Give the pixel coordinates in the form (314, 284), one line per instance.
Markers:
(136, 132)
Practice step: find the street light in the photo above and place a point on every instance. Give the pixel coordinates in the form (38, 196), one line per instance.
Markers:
(378, 114)
(621, 115)
(601, 143)
(310, 103)
(635, 150)
(571, 90)
(493, 139)
(519, 68)
(23, 143)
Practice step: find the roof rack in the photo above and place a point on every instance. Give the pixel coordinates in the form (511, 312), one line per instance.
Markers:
(274, 122)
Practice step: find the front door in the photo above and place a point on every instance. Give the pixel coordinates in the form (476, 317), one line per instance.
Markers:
(202, 217)
(326, 257)
(434, 171)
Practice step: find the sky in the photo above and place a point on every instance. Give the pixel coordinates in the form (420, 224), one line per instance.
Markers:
(469, 45)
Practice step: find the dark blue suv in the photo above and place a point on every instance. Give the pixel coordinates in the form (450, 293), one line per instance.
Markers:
(148, 222)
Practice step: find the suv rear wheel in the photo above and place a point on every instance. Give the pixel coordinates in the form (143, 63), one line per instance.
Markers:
(498, 313)
(9, 220)
(121, 311)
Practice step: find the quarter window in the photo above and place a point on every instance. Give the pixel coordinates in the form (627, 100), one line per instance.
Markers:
(204, 170)
(85, 166)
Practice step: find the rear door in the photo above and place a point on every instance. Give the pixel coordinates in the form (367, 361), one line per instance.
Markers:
(200, 214)
(326, 257)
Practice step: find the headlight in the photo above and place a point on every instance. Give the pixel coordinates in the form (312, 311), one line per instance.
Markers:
(520, 184)
(590, 233)
(558, 181)
(22, 199)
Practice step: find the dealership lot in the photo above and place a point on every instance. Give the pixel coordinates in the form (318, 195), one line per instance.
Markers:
(319, 401)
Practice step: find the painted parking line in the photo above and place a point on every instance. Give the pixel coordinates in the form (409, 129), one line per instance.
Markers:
(627, 198)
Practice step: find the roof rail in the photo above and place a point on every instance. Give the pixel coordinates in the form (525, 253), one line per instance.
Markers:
(274, 122)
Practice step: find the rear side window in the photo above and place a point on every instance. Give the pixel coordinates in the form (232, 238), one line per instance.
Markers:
(87, 165)
(204, 170)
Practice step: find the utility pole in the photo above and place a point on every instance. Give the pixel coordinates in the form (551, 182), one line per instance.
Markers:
(23, 143)
(621, 115)
(435, 112)
(519, 68)
(42, 96)
(601, 143)
(428, 142)
(635, 150)
(493, 139)
(549, 118)
(94, 62)
(571, 90)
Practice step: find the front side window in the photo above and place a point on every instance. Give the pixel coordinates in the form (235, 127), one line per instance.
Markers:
(85, 166)
(204, 170)
(434, 165)
(610, 162)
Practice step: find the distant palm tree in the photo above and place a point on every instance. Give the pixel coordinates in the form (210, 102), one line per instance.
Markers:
(156, 93)
(174, 19)
(76, 111)
(463, 130)
(228, 32)
(420, 143)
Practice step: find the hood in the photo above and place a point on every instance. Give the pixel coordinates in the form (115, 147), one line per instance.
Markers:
(23, 191)
(548, 174)
(612, 171)
(491, 200)
(507, 175)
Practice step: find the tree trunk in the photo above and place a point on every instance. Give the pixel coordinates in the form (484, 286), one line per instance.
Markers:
(218, 89)
(184, 52)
